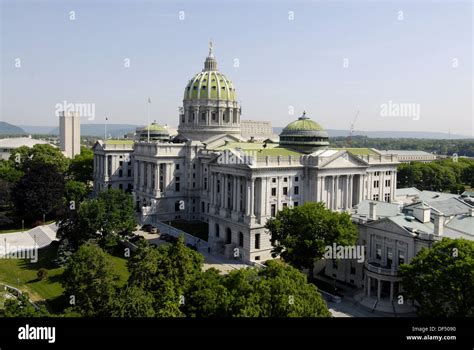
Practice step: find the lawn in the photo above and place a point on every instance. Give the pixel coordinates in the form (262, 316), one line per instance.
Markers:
(22, 274)
(196, 228)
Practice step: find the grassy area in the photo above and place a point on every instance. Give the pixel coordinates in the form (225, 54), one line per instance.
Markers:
(22, 274)
(18, 227)
(196, 228)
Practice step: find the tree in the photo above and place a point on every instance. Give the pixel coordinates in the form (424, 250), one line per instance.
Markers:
(40, 154)
(82, 166)
(21, 307)
(40, 191)
(90, 280)
(133, 301)
(105, 217)
(206, 296)
(441, 279)
(299, 235)
(75, 191)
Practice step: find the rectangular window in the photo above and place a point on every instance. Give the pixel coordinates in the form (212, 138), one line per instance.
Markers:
(120, 163)
(387, 183)
(285, 191)
(120, 173)
(375, 197)
(205, 183)
(378, 251)
(389, 257)
(274, 191)
(177, 166)
(401, 257)
(377, 173)
(257, 241)
(296, 178)
(297, 190)
(129, 172)
(353, 269)
(295, 204)
(388, 172)
(376, 184)
(274, 180)
(387, 197)
(285, 179)
(176, 187)
(273, 210)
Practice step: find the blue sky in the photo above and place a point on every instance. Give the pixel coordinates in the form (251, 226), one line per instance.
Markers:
(283, 63)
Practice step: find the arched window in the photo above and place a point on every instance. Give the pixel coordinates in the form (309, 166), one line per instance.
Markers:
(241, 239)
(217, 230)
(228, 238)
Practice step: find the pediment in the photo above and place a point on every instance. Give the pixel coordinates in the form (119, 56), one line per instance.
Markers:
(342, 159)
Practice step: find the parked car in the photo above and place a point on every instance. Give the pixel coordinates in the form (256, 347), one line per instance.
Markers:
(150, 228)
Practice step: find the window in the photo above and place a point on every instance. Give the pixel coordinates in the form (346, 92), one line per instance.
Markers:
(285, 179)
(176, 187)
(121, 162)
(241, 239)
(121, 186)
(194, 175)
(120, 173)
(387, 197)
(296, 178)
(177, 178)
(285, 205)
(213, 116)
(257, 258)
(378, 251)
(388, 172)
(389, 257)
(377, 173)
(257, 241)
(387, 183)
(285, 191)
(353, 269)
(295, 204)
(205, 183)
(297, 190)
(334, 264)
(177, 206)
(129, 172)
(274, 180)
(217, 230)
(375, 197)
(376, 184)
(273, 210)
(177, 166)
(203, 207)
(274, 191)
(218, 186)
(401, 257)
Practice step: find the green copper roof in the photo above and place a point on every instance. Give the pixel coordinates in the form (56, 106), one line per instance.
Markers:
(154, 127)
(210, 85)
(119, 142)
(304, 124)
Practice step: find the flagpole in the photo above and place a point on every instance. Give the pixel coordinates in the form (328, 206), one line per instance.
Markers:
(105, 129)
(148, 119)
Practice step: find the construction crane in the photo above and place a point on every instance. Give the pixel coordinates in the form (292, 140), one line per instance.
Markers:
(351, 130)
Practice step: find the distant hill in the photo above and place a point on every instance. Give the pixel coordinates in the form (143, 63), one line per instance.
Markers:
(10, 129)
(389, 134)
(113, 130)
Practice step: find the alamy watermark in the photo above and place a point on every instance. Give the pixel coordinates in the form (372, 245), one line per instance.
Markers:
(9, 251)
(352, 252)
(85, 110)
(403, 110)
(237, 157)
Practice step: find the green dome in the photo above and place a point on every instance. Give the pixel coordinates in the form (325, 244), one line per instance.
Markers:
(210, 85)
(304, 134)
(303, 124)
(154, 127)
(154, 131)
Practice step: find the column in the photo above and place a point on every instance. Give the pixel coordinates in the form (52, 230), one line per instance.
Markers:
(222, 194)
(234, 193)
(379, 288)
(142, 175)
(391, 291)
(361, 188)
(351, 190)
(252, 197)
(263, 196)
(157, 178)
(248, 197)
(336, 189)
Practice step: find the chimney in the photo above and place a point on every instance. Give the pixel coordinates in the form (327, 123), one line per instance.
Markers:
(438, 224)
(373, 211)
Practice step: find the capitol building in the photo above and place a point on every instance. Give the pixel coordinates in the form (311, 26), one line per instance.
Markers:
(208, 172)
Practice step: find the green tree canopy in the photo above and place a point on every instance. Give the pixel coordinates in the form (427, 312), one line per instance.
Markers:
(299, 235)
(441, 279)
(25, 157)
(82, 166)
(90, 281)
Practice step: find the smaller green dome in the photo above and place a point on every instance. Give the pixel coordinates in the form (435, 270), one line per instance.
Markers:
(154, 132)
(154, 127)
(304, 134)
